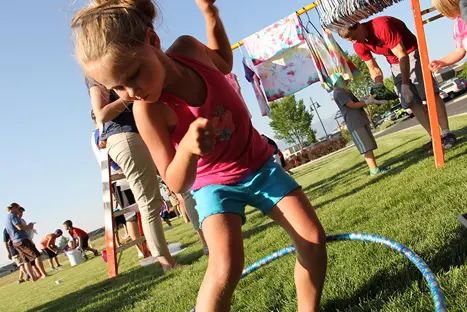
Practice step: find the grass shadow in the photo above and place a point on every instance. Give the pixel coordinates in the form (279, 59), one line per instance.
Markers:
(453, 254)
(324, 162)
(258, 229)
(190, 258)
(407, 159)
(125, 289)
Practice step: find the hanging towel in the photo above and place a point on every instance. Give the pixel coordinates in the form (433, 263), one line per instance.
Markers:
(353, 68)
(282, 35)
(251, 76)
(338, 58)
(233, 80)
(288, 72)
(321, 57)
(330, 60)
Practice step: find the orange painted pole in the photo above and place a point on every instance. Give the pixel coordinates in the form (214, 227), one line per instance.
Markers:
(428, 79)
(109, 222)
(144, 246)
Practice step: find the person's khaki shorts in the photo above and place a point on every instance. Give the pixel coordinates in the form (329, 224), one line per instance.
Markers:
(417, 85)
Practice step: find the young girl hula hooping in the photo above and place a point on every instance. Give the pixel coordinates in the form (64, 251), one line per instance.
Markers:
(201, 138)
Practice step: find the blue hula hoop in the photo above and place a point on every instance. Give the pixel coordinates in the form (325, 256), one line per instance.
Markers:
(433, 284)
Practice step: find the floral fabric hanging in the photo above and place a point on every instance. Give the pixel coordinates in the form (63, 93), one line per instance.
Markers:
(280, 36)
(288, 72)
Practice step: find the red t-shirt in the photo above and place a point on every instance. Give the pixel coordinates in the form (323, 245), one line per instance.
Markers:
(76, 233)
(384, 33)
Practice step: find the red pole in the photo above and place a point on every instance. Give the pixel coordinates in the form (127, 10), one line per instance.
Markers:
(109, 223)
(428, 80)
(144, 246)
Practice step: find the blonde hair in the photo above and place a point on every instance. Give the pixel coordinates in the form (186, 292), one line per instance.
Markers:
(449, 8)
(111, 27)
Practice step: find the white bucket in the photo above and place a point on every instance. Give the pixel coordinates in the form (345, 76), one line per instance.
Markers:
(75, 257)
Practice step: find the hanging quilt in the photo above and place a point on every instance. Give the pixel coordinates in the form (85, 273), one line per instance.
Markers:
(233, 80)
(282, 35)
(288, 72)
(253, 78)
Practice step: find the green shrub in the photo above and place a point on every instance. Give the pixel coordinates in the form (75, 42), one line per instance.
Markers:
(346, 135)
(386, 124)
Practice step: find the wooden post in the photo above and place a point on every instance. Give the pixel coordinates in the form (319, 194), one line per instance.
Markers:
(109, 222)
(145, 249)
(428, 80)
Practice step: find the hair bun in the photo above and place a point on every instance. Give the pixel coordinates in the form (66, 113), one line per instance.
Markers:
(147, 7)
(144, 7)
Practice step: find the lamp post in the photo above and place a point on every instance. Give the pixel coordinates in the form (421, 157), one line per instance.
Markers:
(336, 118)
(315, 108)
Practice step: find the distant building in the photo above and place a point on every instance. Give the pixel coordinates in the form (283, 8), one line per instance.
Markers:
(293, 150)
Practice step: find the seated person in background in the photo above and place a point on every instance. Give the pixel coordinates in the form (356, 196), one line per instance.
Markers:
(176, 205)
(124, 198)
(48, 246)
(165, 215)
(80, 238)
(358, 123)
(120, 189)
(277, 153)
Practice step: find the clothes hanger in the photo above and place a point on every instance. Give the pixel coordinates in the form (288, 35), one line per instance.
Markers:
(336, 14)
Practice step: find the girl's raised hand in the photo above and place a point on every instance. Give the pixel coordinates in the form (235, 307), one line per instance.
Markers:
(206, 5)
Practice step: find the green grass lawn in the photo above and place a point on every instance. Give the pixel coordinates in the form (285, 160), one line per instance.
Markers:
(414, 204)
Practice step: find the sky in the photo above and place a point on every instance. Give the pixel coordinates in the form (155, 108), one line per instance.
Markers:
(46, 161)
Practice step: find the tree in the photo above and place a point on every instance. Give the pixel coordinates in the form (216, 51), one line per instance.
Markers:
(360, 86)
(291, 121)
(463, 73)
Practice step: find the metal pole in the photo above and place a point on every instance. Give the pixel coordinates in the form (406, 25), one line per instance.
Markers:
(317, 113)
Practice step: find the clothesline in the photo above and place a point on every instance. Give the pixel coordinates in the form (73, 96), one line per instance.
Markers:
(299, 12)
(314, 5)
(431, 102)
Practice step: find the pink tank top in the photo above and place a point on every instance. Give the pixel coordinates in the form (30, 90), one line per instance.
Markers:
(239, 150)
(460, 33)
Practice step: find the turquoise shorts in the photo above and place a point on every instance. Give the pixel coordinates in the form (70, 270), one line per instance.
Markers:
(263, 190)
